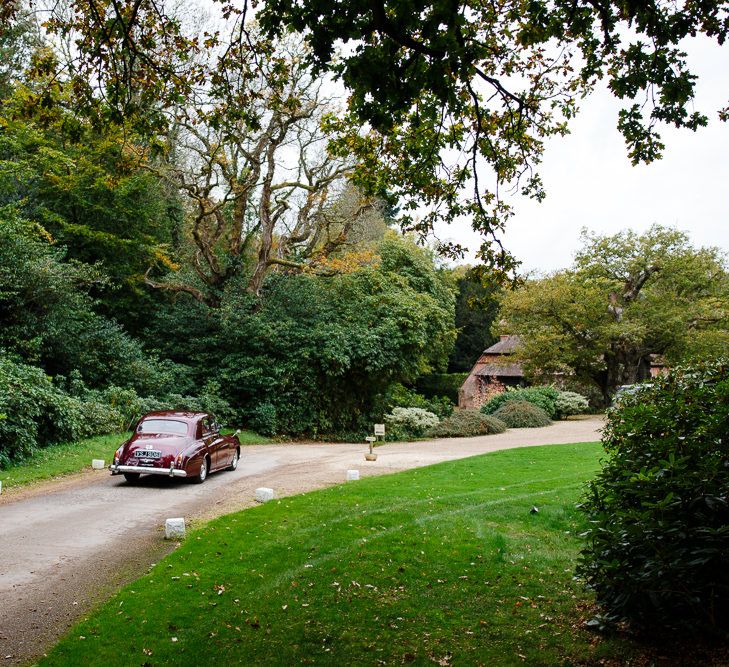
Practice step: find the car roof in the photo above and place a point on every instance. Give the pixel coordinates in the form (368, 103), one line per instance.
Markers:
(180, 415)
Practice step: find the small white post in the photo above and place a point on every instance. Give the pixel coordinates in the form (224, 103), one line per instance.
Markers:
(264, 494)
(352, 475)
(175, 529)
(1, 487)
(97, 464)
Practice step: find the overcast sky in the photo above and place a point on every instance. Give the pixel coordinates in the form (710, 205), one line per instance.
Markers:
(590, 181)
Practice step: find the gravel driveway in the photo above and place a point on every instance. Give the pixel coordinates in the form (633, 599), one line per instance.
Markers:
(65, 546)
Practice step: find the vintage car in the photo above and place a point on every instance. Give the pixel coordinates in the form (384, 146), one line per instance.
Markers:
(176, 444)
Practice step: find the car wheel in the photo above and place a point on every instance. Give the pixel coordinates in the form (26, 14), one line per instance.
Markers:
(234, 463)
(203, 474)
(131, 477)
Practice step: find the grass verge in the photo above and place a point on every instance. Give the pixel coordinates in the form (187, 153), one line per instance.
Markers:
(443, 564)
(73, 457)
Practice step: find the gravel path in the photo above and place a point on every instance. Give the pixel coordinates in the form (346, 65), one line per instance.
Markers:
(65, 546)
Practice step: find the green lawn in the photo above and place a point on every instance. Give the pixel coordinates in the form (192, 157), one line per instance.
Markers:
(443, 564)
(74, 457)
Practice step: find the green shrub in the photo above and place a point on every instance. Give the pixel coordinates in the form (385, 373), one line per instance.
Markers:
(441, 384)
(131, 406)
(570, 403)
(264, 419)
(324, 352)
(402, 397)
(522, 414)
(656, 549)
(39, 413)
(408, 423)
(465, 423)
(543, 397)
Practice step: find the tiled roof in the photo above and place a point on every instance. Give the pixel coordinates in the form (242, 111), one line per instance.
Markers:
(503, 370)
(506, 346)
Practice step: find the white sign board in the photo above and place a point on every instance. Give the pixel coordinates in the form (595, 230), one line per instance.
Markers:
(370, 438)
(380, 429)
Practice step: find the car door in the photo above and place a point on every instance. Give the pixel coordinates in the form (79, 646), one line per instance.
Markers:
(214, 443)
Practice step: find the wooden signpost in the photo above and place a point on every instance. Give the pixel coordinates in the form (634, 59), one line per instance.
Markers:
(371, 456)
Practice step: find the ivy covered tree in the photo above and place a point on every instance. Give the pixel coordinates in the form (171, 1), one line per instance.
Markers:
(627, 296)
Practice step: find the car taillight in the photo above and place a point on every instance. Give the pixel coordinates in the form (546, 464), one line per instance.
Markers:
(178, 461)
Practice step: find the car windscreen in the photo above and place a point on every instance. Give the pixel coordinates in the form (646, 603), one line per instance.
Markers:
(162, 426)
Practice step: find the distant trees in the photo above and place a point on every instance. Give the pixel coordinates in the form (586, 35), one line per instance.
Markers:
(476, 308)
(627, 296)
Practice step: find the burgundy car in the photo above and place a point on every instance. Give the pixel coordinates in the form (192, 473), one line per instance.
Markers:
(176, 444)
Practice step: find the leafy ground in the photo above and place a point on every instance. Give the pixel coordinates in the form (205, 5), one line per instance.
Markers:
(443, 564)
(74, 457)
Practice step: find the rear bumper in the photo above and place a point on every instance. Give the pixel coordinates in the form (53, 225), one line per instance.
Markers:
(142, 470)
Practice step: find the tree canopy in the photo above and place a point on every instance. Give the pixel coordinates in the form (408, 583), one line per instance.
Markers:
(627, 296)
(438, 90)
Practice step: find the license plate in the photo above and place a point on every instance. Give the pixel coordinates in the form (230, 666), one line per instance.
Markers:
(147, 454)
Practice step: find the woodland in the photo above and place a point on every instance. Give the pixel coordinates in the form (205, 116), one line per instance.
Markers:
(208, 210)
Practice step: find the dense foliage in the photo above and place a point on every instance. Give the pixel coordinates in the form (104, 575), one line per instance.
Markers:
(656, 547)
(467, 423)
(35, 412)
(318, 355)
(441, 384)
(543, 397)
(49, 318)
(476, 308)
(86, 188)
(401, 397)
(522, 414)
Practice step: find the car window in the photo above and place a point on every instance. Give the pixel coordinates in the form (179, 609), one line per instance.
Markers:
(207, 425)
(162, 426)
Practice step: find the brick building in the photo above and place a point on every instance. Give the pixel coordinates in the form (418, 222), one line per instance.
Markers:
(491, 374)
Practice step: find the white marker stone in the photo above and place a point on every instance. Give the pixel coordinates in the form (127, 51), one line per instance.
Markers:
(97, 464)
(352, 475)
(1, 487)
(174, 529)
(264, 494)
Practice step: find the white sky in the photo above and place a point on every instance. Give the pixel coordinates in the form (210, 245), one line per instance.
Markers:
(590, 181)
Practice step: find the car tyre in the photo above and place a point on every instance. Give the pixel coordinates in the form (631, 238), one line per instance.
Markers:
(203, 474)
(234, 463)
(131, 477)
